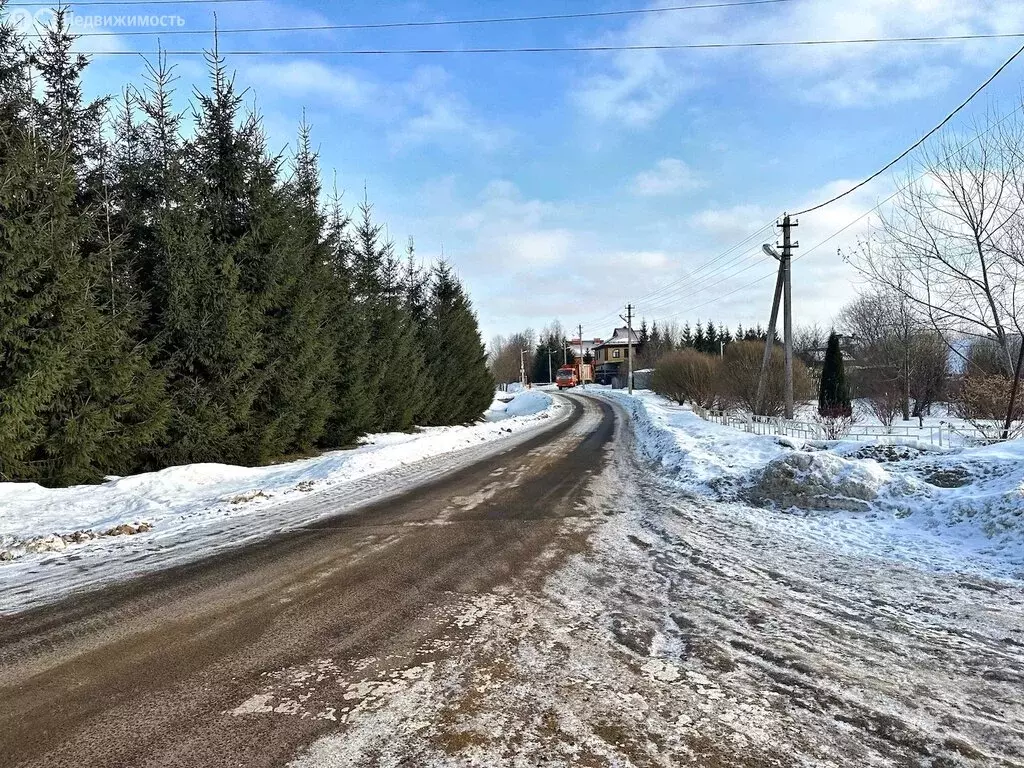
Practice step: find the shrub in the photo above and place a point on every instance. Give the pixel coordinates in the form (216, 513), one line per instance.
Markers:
(687, 376)
(983, 399)
(739, 373)
(881, 390)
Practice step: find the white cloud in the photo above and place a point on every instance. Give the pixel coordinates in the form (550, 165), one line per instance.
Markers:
(640, 87)
(343, 88)
(635, 89)
(669, 176)
(421, 110)
(732, 221)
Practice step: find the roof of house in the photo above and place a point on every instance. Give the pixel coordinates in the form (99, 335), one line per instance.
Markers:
(620, 338)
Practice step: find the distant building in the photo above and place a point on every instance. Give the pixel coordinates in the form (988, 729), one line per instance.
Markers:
(610, 355)
(588, 346)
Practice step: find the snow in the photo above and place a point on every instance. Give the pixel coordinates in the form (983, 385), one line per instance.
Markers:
(951, 509)
(689, 632)
(199, 508)
(525, 403)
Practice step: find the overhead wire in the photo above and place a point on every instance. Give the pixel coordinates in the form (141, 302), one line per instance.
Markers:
(694, 274)
(575, 16)
(692, 308)
(862, 216)
(920, 141)
(571, 48)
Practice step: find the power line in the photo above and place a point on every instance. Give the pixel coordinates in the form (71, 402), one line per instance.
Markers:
(664, 301)
(867, 213)
(920, 141)
(656, 301)
(447, 22)
(913, 181)
(665, 289)
(578, 48)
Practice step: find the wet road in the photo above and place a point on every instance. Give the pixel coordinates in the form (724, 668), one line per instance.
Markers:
(172, 669)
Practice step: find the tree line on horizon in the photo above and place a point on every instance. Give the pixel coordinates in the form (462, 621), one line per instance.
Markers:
(172, 296)
(653, 342)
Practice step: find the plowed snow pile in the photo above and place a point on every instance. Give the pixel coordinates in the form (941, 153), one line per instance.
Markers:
(953, 508)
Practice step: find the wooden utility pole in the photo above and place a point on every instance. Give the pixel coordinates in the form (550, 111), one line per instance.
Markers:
(783, 294)
(770, 341)
(522, 368)
(579, 365)
(787, 321)
(629, 348)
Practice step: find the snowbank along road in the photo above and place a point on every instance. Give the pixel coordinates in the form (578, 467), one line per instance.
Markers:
(558, 604)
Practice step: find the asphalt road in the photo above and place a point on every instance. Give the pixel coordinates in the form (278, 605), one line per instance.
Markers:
(166, 670)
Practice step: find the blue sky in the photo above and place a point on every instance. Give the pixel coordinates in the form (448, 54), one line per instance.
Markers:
(563, 185)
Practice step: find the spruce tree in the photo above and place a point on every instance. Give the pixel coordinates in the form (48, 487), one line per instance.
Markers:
(643, 338)
(349, 329)
(101, 404)
(711, 340)
(458, 364)
(210, 325)
(687, 339)
(415, 286)
(396, 359)
(833, 392)
(724, 335)
(285, 242)
(699, 339)
(656, 344)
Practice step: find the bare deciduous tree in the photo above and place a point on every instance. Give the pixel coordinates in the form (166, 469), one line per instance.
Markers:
(952, 244)
(899, 356)
(503, 355)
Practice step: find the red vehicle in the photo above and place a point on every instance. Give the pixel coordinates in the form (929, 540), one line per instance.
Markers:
(566, 377)
(574, 374)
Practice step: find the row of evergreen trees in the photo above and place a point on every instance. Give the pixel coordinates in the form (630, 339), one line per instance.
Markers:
(168, 300)
(709, 338)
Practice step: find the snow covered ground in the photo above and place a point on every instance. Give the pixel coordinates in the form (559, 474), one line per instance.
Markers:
(691, 632)
(952, 509)
(52, 540)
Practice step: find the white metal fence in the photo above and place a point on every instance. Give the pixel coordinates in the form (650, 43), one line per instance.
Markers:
(942, 434)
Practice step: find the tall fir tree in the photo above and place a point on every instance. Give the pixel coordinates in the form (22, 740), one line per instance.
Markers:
(78, 396)
(711, 339)
(287, 245)
(687, 339)
(458, 359)
(724, 334)
(655, 344)
(699, 339)
(210, 327)
(349, 329)
(415, 285)
(396, 359)
(166, 301)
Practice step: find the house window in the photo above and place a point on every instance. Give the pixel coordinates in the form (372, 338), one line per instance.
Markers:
(615, 353)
